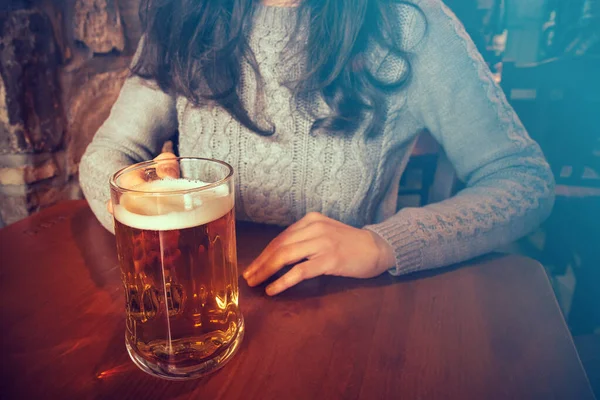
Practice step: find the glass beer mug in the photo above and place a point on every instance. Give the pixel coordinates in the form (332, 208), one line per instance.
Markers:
(176, 245)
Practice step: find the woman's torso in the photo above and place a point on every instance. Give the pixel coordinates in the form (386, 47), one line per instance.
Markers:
(280, 178)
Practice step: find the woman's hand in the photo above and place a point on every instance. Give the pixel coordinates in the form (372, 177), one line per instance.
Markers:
(163, 170)
(321, 246)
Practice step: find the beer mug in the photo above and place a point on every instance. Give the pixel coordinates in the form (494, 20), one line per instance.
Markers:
(175, 232)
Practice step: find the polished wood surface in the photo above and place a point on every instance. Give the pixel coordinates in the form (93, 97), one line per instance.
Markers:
(489, 330)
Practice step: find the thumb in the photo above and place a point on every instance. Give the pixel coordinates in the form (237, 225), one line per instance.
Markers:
(168, 166)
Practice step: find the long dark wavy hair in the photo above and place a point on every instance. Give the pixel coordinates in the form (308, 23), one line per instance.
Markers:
(195, 48)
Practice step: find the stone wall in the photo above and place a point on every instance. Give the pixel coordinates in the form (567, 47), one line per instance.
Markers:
(62, 64)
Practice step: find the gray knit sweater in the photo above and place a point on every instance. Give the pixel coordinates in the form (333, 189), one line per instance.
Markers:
(353, 179)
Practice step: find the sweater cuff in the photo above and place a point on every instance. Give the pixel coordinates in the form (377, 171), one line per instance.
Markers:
(408, 248)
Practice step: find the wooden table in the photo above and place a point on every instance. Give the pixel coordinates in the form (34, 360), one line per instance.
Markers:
(489, 330)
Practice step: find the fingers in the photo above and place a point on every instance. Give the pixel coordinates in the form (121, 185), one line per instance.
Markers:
(283, 256)
(317, 245)
(130, 180)
(311, 226)
(167, 168)
(308, 219)
(164, 156)
(164, 169)
(299, 273)
(304, 240)
(285, 238)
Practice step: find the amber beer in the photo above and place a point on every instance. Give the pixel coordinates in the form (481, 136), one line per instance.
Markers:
(177, 252)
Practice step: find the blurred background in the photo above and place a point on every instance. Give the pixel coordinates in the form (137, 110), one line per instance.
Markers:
(62, 64)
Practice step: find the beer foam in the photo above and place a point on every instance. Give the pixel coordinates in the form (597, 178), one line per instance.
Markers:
(169, 185)
(179, 211)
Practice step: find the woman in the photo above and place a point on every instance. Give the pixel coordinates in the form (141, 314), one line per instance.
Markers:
(317, 104)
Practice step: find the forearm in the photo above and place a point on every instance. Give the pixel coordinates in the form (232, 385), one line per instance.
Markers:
(493, 211)
(141, 120)
(97, 166)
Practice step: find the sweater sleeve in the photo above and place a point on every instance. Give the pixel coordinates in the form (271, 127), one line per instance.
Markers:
(509, 186)
(140, 121)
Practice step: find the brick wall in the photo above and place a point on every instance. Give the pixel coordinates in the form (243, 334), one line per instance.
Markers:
(62, 64)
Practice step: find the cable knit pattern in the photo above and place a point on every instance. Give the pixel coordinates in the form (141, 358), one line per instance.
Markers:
(353, 179)
(514, 128)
